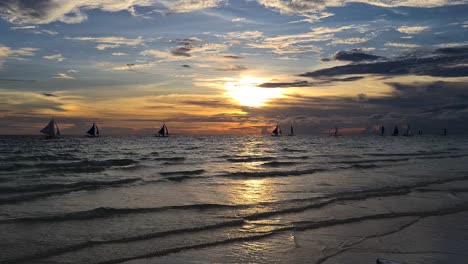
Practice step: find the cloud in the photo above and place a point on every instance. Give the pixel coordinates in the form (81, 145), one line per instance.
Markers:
(318, 82)
(62, 75)
(110, 42)
(413, 30)
(185, 6)
(244, 35)
(299, 43)
(348, 41)
(49, 95)
(239, 19)
(189, 49)
(231, 68)
(447, 62)
(401, 45)
(308, 7)
(119, 54)
(70, 12)
(18, 54)
(56, 57)
(354, 55)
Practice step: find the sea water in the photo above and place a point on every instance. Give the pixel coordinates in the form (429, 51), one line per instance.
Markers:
(233, 199)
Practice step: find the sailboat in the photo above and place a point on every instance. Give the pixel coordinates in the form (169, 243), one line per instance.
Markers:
(93, 131)
(382, 131)
(163, 132)
(395, 131)
(408, 132)
(291, 133)
(277, 131)
(335, 134)
(51, 130)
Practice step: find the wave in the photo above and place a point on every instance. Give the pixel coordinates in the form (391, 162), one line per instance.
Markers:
(419, 153)
(369, 160)
(296, 226)
(55, 186)
(250, 159)
(293, 150)
(186, 172)
(296, 157)
(170, 159)
(76, 166)
(88, 244)
(276, 164)
(261, 174)
(107, 212)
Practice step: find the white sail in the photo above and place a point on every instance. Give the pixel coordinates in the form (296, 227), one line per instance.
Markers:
(52, 129)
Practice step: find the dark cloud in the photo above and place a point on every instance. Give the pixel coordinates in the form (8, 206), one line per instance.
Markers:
(318, 82)
(231, 68)
(354, 55)
(446, 62)
(49, 95)
(209, 103)
(182, 51)
(234, 57)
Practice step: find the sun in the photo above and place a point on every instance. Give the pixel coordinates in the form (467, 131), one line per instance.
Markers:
(247, 93)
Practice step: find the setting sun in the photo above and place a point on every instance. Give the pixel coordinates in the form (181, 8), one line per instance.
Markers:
(247, 93)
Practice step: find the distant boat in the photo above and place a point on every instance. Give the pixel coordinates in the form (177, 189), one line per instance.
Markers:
(277, 131)
(335, 134)
(51, 130)
(382, 130)
(291, 132)
(93, 131)
(408, 132)
(444, 133)
(163, 132)
(395, 131)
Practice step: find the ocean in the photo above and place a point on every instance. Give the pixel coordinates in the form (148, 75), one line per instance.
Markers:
(234, 199)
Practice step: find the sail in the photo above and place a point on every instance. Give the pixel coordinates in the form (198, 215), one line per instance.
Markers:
(336, 131)
(292, 130)
(93, 131)
(395, 131)
(276, 131)
(51, 129)
(163, 131)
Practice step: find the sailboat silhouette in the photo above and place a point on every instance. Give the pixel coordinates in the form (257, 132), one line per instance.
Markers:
(291, 132)
(93, 131)
(163, 132)
(51, 130)
(277, 131)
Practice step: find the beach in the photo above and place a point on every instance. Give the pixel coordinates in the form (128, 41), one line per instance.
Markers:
(234, 199)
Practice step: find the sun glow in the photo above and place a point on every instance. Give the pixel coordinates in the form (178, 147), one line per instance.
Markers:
(247, 93)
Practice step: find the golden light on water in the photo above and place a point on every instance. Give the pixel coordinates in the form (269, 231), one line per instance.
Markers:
(247, 93)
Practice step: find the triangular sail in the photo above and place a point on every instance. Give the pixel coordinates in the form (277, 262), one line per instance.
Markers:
(395, 131)
(163, 131)
(51, 129)
(276, 131)
(292, 130)
(93, 131)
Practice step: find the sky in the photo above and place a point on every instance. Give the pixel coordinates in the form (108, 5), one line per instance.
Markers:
(233, 66)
